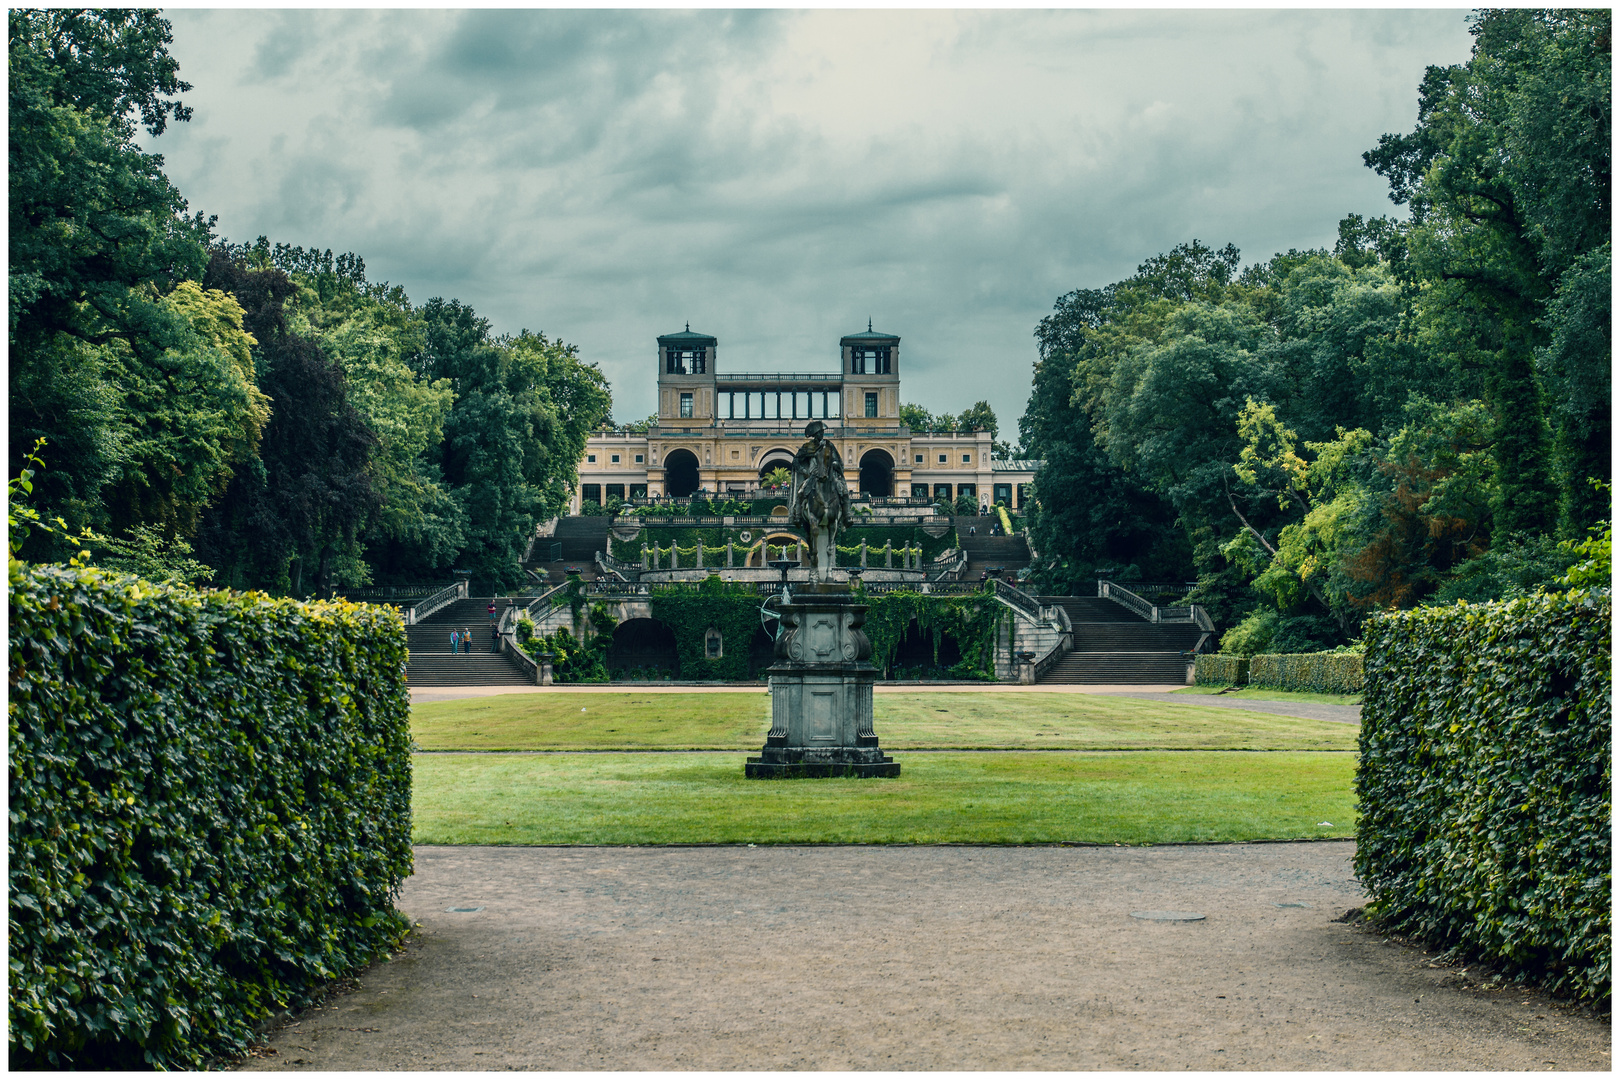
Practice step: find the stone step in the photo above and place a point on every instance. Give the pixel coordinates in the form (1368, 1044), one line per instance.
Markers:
(1120, 668)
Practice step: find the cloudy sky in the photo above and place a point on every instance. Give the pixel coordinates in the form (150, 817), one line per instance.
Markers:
(778, 177)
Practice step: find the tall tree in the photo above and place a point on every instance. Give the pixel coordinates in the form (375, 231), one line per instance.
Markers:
(285, 524)
(1508, 174)
(145, 406)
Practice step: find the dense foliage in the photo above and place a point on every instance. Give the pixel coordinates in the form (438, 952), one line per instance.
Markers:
(266, 408)
(1320, 672)
(971, 621)
(1485, 782)
(210, 811)
(1415, 416)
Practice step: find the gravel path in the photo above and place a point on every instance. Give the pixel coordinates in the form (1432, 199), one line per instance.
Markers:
(912, 958)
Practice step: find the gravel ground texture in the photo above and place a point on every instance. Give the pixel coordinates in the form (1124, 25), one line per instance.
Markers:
(982, 958)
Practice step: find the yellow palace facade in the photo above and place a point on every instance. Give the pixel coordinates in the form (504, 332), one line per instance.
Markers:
(718, 433)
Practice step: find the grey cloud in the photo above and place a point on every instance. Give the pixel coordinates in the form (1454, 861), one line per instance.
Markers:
(604, 175)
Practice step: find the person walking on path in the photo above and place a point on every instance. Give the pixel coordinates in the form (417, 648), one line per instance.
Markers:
(466, 641)
(492, 611)
(494, 638)
(455, 640)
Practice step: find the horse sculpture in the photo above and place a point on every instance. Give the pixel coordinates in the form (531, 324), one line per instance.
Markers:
(819, 501)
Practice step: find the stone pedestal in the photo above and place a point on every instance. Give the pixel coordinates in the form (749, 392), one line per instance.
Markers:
(821, 693)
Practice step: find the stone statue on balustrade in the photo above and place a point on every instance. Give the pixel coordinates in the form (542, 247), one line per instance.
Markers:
(819, 501)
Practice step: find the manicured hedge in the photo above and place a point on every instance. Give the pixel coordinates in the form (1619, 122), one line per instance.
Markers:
(1219, 669)
(210, 811)
(1316, 672)
(1485, 783)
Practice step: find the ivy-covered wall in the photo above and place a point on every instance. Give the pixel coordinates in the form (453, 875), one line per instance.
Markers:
(734, 609)
(730, 608)
(1485, 782)
(210, 811)
(971, 620)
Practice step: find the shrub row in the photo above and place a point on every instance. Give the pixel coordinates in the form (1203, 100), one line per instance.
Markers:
(1219, 669)
(1316, 672)
(714, 540)
(210, 811)
(1485, 783)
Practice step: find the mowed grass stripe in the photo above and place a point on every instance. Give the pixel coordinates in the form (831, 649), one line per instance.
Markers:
(1018, 798)
(699, 721)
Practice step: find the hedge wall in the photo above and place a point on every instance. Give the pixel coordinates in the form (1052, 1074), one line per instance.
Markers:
(210, 811)
(1317, 672)
(1485, 783)
(1219, 669)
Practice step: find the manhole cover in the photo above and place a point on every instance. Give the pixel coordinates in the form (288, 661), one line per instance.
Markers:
(1169, 916)
(1294, 904)
(464, 909)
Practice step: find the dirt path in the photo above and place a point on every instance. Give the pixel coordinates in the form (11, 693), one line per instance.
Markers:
(912, 958)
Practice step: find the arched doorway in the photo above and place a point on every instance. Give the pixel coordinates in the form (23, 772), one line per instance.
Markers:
(680, 473)
(792, 541)
(777, 458)
(877, 473)
(643, 648)
(914, 654)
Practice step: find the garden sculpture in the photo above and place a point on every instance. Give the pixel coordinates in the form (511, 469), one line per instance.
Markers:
(819, 502)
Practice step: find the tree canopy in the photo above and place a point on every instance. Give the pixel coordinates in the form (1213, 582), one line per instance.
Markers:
(1416, 416)
(264, 406)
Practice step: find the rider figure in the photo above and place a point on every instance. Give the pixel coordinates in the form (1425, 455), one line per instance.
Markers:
(819, 501)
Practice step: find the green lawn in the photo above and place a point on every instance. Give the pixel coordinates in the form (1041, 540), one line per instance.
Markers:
(1274, 695)
(1019, 721)
(982, 798)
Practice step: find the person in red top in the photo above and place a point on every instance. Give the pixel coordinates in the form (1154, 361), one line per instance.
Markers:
(492, 611)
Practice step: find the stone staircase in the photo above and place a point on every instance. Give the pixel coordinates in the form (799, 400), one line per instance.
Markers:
(1010, 553)
(576, 542)
(1115, 646)
(433, 664)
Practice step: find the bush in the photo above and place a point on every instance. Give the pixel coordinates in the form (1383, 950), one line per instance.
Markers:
(210, 811)
(1252, 635)
(1316, 672)
(1219, 669)
(1267, 630)
(1485, 783)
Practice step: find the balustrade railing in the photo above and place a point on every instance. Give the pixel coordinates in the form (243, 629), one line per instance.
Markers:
(391, 593)
(535, 611)
(1185, 613)
(443, 598)
(1049, 661)
(1018, 598)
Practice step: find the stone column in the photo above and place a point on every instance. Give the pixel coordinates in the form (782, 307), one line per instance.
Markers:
(863, 554)
(728, 554)
(888, 554)
(700, 553)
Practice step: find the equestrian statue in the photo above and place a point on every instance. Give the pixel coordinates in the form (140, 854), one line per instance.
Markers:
(819, 501)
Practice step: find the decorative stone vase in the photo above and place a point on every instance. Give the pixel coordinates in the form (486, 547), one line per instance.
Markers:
(821, 692)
